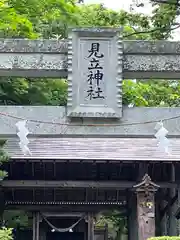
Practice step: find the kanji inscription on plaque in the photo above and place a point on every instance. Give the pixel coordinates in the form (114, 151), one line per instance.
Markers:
(95, 73)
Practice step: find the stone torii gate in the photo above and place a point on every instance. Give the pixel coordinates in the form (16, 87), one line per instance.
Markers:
(51, 58)
(100, 55)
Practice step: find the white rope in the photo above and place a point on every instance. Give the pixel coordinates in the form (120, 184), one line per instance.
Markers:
(62, 229)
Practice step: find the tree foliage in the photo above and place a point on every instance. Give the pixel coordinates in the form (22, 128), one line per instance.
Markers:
(16, 219)
(152, 93)
(13, 24)
(22, 91)
(3, 158)
(6, 234)
(163, 19)
(117, 224)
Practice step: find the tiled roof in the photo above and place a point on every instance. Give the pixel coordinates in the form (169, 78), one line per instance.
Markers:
(96, 148)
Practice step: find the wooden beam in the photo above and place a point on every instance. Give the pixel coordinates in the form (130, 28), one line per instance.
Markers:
(136, 122)
(65, 184)
(48, 58)
(64, 214)
(118, 185)
(64, 208)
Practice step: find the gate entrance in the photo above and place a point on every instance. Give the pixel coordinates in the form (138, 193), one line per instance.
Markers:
(65, 236)
(27, 234)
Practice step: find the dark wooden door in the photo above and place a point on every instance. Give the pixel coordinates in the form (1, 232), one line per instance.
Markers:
(65, 236)
(22, 234)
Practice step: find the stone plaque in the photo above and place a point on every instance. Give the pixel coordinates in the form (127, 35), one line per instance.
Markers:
(95, 73)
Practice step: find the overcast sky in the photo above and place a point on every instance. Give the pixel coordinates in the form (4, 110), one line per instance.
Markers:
(121, 4)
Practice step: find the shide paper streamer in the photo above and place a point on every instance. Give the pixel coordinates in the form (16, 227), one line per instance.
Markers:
(22, 134)
(163, 141)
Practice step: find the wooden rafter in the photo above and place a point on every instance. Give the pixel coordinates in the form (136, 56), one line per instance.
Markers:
(79, 184)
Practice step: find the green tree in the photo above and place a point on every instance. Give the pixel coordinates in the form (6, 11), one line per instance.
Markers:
(3, 158)
(13, 24)
(163, 20)
(22, 91)
(6, 234)
(48, 17)
(16, 219)
(116, 221)
(152, 93)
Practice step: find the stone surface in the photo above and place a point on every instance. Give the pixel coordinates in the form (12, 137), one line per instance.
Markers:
(34, 64)
(130, 125)
(151, 47)
(142, 59)
(32, 61)
(32, 46)
(151, 59)
(95, 81)
(149, 66)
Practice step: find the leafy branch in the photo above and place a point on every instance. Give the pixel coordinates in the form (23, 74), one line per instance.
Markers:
(152, 30)
(3, 158)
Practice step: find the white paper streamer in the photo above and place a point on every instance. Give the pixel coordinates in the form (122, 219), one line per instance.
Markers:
(22, 134)
(163, 141)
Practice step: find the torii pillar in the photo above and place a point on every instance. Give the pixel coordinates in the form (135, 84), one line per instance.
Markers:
(145, 192)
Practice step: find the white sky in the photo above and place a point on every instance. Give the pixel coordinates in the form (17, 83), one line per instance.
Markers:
(122, 4)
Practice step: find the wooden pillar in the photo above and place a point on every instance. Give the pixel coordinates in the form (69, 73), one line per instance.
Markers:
(2, 205)
(86, 229)
(36, 220)
(34, 226)
(42, 234)
(106, 232)
(164, 219)
(90, 226)
(172, 209)
(158, 216)
(145, 192)
(132, 216)
(143, 169)
(178, 206)
(42, 230)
